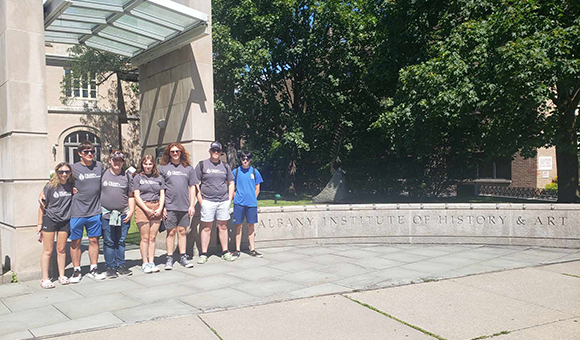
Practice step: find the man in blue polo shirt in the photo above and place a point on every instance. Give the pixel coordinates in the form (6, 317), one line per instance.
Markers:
(247, 180)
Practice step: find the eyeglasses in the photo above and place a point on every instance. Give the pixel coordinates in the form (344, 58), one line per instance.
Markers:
(88, 151)
(175, 151)
(246, 159)
(63, 172)
(216, 150)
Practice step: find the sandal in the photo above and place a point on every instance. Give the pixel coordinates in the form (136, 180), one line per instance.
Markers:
(46, 284)
(63, 280)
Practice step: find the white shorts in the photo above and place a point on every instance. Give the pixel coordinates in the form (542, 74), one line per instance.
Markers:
(215, 211)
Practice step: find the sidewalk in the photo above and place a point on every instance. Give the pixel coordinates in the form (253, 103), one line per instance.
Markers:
(360, 292)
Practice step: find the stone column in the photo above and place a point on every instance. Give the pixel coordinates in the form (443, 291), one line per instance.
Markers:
(24, 148)
(177, 89)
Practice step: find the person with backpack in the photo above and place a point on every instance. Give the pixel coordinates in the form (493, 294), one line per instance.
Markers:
(215, 195)
(247, 182)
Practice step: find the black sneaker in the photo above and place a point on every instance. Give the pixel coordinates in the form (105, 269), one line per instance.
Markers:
(96, 274)
(254, 253)
(76, 276)
(185, 262)
(124, 271)
(111, 273)
(236, 253)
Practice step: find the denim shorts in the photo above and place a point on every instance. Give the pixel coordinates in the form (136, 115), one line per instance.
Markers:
(241, 211)
(215, 211)
(92, 223)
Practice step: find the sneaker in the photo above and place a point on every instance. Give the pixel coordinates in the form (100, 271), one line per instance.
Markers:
(185, 262)
(96, 274)
(255, 253)
(111, 273)
(154, 268)
(124, 271)
(169, 263)
(202, 259)
(228, 257)
(236, 254)
(146, 268)
(76, 276)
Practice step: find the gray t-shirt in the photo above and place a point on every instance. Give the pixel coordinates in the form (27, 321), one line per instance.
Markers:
(214, 180)
(87, 202)
(178, 179)
(58, 202)
(148, 186)
(115, 191)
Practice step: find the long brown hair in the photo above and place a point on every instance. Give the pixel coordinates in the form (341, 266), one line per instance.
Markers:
(54, 181)
(154, 170)
(183, 157)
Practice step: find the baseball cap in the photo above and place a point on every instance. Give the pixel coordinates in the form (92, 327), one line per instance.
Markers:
(116, 154)
(215, 145)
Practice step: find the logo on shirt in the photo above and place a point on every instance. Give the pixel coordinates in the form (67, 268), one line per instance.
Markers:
(88, 176)
(214, 171)
(141, 182)
(55, 195)
(112, 184)
(58, 194)
(252, 176)
(175, 173)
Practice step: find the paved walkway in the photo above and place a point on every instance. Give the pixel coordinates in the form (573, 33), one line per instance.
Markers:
(350, 285)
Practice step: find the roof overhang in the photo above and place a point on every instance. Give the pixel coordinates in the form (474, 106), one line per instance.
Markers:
(139, 29)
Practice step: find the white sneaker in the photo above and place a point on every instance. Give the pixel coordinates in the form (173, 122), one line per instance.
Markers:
(96, 274)
(154, 268)
(76, 276)
(146, 268)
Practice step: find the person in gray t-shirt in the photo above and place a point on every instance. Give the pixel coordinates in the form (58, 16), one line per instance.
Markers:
(181, 184)
(215, 195)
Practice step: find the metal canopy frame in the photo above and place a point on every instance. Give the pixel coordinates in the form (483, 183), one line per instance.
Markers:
(139, 29)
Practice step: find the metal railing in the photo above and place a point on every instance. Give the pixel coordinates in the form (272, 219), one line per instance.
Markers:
(522, 192)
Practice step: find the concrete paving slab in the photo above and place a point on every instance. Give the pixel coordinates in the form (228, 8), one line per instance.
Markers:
(105, 287)
(456, 260)
(572, 268)
(274, 250)
(159, 293)
(208, 269)
(329, 259)
(212, 282)
(398, 273)
(295, 266)
(566, 329)
(570, 257)
(15, 289)
(364, 281)
(536, 255)
(94, 321)
(378, 263)
(4, 309)
(308, 319)
(430, 252)
(310, 277)
(448, 309)
(430, 267)
(506, 262)
(255, 274)
(287, 256)
(268, 288)
(245, 261)
(478, 255)
(406, 257)
(169, 328)
(218, 298)
(41, 298)
(162, 278)
(344, 269)
(161, 309)
(357, 253)
(323, 289)
(533, 286)
(30, 318)
(17, 336)
(501, 250)
(384, 249)
(478, 268)
(95, 305)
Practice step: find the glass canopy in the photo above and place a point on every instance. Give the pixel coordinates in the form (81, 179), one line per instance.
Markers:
(140, 29)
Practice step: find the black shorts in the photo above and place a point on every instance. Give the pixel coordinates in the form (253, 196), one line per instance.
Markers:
(177, 219)
(50, 226)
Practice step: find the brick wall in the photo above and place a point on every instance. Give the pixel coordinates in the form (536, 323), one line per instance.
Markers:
(524, 172)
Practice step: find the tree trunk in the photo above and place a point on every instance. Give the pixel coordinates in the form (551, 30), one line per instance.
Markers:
(290, 177)
(567, 148)
(122, 118)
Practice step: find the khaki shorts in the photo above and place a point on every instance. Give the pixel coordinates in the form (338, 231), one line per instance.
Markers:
(141, 217)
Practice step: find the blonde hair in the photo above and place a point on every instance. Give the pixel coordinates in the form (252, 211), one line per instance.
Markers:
(54, 181)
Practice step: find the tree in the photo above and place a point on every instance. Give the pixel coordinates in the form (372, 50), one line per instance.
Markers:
(88, 64)
(500, 77)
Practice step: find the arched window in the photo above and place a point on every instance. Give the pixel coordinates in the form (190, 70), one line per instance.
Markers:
(71, 145)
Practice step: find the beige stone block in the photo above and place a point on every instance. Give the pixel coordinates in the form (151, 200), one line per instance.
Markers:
(19, 202)
(20, 248)
(199, 150)
(25, 15)
(3, 66)
(2, 17)
(551, 224)
(27, 105)
(459, 223)
(25, 56)
(5, 118)
(53, 90)
(203, 49)
(18, 147)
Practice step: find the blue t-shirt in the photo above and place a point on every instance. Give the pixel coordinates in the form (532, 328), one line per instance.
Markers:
(246, 186)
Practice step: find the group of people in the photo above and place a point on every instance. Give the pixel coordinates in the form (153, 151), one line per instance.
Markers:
(86, 196)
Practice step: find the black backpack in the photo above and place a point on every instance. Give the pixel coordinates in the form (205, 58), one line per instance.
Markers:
(238, 170)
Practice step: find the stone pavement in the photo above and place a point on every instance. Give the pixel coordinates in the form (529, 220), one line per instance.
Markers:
(360, 291)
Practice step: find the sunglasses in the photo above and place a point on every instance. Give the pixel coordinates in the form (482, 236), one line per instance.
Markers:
(246, 159)
(63, 172)
(216, 150)
(89, 151)
(175, 151)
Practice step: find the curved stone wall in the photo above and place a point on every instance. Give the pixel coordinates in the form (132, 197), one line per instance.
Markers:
(547, 225)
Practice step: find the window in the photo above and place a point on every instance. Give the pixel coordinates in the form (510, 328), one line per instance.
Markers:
(499, 168)
(71, 145)
(87, 89)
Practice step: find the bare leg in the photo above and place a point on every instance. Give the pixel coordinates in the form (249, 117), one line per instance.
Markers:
(223, 234)
(47, 246)
(144, 230)
(238, 236)
(93, 250)
(61, 251)
(171, 241)
(181, 239)
(251, 236)
(152, 237)
(205, 235)
(75, 252)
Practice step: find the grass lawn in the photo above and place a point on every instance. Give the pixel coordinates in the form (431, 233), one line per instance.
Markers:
(133, 236)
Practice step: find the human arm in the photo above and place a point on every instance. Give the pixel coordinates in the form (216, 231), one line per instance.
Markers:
(231, 190)
(159, 210)
(40, 214)
(198, 194)
(41, 199)
(257, 189)
(139, 201)
(191, 209)
(127, 219)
